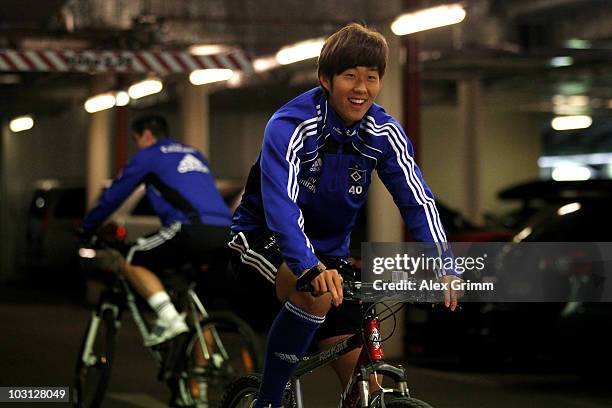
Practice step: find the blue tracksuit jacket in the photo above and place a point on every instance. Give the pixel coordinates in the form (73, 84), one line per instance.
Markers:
(313, 174)
(179, 185)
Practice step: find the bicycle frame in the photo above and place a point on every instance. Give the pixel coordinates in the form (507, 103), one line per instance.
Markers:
(116, 299)
(371, 361)
(120, 295)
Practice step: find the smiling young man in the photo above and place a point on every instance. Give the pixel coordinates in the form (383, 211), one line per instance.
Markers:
(303, 195)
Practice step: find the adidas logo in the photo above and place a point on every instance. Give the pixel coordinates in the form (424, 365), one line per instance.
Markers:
(191, 163)
(316, 166)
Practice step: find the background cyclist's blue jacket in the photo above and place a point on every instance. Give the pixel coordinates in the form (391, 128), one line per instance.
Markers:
(179, 185)
(313, 174)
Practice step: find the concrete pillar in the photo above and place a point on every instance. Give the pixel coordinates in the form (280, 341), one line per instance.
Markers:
(6, 252)
(195, 116)
(98, 143)
(469, 95)
(384, 221)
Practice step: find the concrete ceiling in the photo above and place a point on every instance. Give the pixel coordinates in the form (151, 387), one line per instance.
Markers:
(508, 43)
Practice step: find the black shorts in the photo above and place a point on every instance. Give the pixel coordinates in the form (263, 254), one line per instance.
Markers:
(177, 244)
(255, 260)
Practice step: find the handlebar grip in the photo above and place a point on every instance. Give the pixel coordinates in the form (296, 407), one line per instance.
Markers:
(303, 283)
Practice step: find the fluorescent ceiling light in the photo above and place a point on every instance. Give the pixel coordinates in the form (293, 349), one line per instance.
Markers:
(122, 98)
(209, 49)
(571, 173)
(100, 102)
(145, 88)
(567, 110)
(571, 100)
(589, 158)
(573, 87)
(236, 80)
(522, 235)
(427, 19)
(300, 51)
(569, 208)
(578, 44)
(567, 105)
(207, 76)
(571, 122)
(21, 123)
(262, 64)
(557, 62)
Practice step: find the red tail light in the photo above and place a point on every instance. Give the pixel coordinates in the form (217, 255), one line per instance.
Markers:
(120, 233)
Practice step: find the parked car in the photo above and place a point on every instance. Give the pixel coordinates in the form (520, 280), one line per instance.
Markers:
(539, 336)
(57, 209)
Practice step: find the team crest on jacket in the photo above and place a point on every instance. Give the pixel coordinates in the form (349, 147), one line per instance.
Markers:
(356, 175)
(192, 163)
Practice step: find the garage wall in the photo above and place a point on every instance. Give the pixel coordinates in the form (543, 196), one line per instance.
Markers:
(438, 158)
(53, 148)
(235, 142)
(509, 149)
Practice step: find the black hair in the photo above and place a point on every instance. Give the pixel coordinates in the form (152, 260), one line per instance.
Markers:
(352, 46)
(156, 124)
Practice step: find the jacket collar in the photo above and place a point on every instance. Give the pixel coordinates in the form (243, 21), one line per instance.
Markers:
(335, 125)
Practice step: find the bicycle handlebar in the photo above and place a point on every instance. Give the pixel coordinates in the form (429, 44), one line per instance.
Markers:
(304, 282)
(350, 286)
(104, 237)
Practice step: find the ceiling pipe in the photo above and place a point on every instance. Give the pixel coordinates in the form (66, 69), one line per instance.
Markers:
(538, 6)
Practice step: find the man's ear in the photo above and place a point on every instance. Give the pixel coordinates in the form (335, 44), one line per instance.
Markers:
(325, 82)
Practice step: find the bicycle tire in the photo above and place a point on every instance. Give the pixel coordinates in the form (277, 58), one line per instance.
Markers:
(91, 380)
(404, 402)
(242, 392)
(243, 350)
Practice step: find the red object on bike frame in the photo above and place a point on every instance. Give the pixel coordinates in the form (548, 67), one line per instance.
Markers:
(371, 329)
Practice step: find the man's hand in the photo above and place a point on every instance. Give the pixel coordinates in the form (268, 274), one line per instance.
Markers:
(451, 296)
(85, 237)
(329, 281)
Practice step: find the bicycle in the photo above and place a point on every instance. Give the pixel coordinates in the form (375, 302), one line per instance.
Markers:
(243, 392)
(196, 365)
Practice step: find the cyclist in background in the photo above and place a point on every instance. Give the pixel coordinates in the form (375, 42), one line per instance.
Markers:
(195, 219)
(303, 194)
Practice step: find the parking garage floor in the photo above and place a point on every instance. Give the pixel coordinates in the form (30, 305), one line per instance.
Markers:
(41, 333)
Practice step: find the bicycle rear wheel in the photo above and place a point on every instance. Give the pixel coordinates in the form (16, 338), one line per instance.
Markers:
(93, 368)
(233, 350)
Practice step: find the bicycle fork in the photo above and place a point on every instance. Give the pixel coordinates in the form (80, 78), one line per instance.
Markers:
(371, 364)
(197, 309)
(88, 358)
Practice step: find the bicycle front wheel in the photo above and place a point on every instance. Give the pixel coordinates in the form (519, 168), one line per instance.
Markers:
(226, 350)
(93, 368)
(392, 401)
(242, 392)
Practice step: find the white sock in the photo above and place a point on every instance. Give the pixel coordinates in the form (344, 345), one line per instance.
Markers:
(161, 303)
